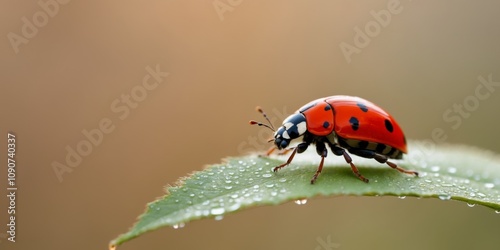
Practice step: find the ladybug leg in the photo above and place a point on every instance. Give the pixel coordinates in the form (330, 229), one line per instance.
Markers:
(384, 159)
(321, 150)
(300, 148)
(269, 151)
(285, 151)
(340, 151)
(273, 148)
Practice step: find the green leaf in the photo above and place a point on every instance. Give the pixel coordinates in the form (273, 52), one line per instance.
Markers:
(446, 172)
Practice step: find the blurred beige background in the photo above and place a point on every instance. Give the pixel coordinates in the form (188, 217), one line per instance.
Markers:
(224, 58)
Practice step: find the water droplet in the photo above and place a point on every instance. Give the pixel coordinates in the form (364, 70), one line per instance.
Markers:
(228, 187)
(179, 225)
(470, 204)
(219, 217)
(489, 185)
(234, 207)
(191, 195)
(267, 175)
(435, 168)
(497, 211)
(270, 185)
(217, 211)
(274, 193)
(257, 198)
(444, 197)
(428, 181)
(282, 180)
(401, 197)
(301, 202)
(234, 196)
(446, 185)
(452, 170)
(256, 186)
(481, 195)
(157, 209)
(267, 163)
(472, 194)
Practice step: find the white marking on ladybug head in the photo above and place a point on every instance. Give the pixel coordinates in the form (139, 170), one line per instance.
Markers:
(302, 128)
(288, 125)
(285, 135)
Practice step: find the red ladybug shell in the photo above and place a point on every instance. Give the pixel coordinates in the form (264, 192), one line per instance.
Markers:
(354, 119)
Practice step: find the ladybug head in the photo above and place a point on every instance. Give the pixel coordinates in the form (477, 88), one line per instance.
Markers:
(293, 127)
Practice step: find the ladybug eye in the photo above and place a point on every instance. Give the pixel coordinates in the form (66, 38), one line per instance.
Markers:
(284, 144)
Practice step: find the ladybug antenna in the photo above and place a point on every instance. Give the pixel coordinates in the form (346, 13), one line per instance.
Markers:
(270, 126)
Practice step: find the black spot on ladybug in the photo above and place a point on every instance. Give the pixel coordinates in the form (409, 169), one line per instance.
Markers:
(388, 126)
(380, 148)
(362, 144)
(354, 123)
(327, 107)
(326, 124)
(363, 107)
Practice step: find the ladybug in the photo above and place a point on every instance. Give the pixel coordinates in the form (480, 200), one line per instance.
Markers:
(344, 123)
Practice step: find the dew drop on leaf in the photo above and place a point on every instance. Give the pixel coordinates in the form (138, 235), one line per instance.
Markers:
(179, 225)
(444, 197)
(217, 211)
(301, 202)
(435, 168)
